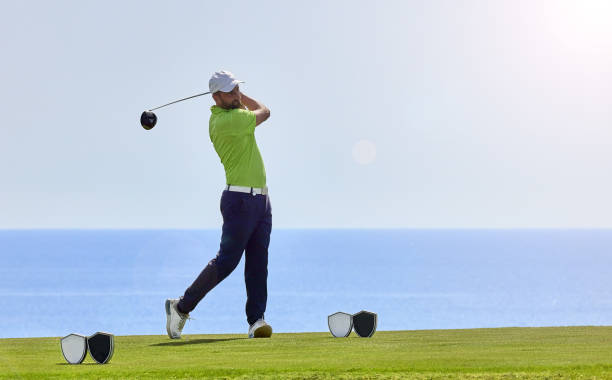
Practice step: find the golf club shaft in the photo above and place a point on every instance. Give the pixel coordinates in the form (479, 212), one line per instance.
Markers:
(180, 100)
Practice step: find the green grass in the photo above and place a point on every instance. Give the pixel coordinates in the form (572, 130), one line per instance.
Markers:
(503, 353)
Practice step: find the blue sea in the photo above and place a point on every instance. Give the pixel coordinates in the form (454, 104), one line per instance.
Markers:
(55, 282)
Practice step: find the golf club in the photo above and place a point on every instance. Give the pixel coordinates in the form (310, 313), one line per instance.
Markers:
(148, 119)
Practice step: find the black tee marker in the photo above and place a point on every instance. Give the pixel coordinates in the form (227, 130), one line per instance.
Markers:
(364, 323)
(101, 347)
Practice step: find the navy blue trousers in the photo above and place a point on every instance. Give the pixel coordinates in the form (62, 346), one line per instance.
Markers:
(247, 225)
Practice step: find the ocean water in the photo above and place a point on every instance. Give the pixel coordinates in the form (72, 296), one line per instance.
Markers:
(55, 282)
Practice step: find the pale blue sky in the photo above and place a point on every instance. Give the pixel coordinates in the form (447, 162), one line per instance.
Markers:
(490, 114)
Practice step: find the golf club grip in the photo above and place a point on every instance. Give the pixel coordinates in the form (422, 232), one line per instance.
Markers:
(180, 100)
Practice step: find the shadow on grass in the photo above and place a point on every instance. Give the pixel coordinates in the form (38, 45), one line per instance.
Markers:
(80, 364)
(194, 341)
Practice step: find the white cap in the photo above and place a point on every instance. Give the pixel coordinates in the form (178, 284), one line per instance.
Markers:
(222, 81)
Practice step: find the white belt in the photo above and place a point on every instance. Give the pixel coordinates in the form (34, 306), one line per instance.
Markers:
(246, 189)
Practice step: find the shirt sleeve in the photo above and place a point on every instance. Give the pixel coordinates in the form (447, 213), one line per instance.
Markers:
(244, 121)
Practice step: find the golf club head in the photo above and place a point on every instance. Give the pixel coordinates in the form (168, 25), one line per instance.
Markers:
(148, 120)
(101, 346)
(74, 348)
(364, 323)
(340, 324)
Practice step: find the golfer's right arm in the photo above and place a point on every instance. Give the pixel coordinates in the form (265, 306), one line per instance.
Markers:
(262, 113)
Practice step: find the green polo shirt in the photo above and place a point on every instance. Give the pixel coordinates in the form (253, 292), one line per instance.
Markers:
(232, 133)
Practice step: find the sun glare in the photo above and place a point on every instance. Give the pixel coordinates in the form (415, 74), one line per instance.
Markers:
(585, 24)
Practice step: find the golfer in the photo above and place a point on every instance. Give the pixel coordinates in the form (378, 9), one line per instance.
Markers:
(245, 206)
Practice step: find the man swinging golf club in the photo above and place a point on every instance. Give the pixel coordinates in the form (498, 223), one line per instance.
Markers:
(245, 206)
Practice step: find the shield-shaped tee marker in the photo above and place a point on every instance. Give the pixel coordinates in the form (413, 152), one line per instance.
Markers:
(364, 323)
(74, 348)
(101, 347)
(340, 324)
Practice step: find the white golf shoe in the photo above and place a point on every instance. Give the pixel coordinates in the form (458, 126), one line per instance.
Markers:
(175, 320)
(260, 329)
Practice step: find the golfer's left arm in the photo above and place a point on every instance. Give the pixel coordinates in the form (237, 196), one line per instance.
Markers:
(262, 113)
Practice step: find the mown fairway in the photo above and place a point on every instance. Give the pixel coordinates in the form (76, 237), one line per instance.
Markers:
(504, 353)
